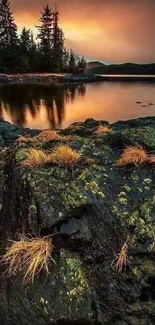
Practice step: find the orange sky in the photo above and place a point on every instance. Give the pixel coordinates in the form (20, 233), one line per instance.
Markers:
(106, 30)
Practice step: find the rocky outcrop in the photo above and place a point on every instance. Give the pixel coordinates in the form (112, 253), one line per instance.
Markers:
(90, 210)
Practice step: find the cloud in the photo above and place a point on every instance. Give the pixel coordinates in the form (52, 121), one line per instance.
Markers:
(108, 30)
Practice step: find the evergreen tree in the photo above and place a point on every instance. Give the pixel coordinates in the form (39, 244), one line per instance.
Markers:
(72, 62)
(81, 66)
(25, 39)
(32, 42)
(45, 37)
(57, 44)
(34, 55)
(24, 47)
(25, 55)
(66, 61)
(8, 28)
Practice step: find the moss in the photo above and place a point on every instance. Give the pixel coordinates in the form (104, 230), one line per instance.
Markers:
(147, 181)
(21, 154)
(122, 201)
(33, 208)
(75, 278)
(147, 267)
(114, 209)
(135, 177)
(136, 272)
(92, 186)
(127, 188)
(121, 194)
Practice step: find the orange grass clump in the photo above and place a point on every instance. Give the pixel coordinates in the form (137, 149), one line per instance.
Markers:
(29, 255)
(26, 139)
(150, 159)
(49, 135)
(45, 136)
(132, 156)
(64, 156)
(122, 259)
(103, 129)
(35, 158)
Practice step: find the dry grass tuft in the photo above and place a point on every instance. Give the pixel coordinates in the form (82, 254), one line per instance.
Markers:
(132, 156)
(64, 156)
(45, 136)
(29, 255)
(122, 258)
(35, 158)
(49, 135)
(103, 129)
(89, 161)
(150, 159)
(26, 140)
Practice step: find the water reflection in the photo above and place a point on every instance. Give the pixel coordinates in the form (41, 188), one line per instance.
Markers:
(37, 106)
(48, 106)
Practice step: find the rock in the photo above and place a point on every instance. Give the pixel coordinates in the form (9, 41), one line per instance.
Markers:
(64, 297)
(90, 211)
(4, 79)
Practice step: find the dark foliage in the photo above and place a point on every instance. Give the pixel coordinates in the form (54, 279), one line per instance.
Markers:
(23, 54)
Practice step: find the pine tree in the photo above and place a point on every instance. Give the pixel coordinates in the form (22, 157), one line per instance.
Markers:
(45, 38)
(24, 55)
(25, 39)
(57, 43)
(45, 30)
(81, 66)
(72, 62)
(8, 28)
(66, 61)
(24, 48)
(34, 55)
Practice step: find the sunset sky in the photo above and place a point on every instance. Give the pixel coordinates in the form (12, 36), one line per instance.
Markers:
(106, 30)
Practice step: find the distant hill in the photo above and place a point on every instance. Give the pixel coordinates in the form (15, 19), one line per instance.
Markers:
(95, 65)
(125, 68)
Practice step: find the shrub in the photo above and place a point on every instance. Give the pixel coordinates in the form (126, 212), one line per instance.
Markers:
(64, 156)
(35, 158)
(132, 156)
(28, 255)
(103, 129)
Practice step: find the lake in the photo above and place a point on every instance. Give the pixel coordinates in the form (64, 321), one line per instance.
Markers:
(57, 106)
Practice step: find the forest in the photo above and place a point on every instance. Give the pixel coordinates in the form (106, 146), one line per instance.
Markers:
(24, 53)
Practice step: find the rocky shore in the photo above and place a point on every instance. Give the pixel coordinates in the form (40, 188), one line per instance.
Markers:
(91, 210)
(49, 78)
(70, 79)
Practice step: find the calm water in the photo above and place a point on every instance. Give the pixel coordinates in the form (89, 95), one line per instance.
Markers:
(48, 106)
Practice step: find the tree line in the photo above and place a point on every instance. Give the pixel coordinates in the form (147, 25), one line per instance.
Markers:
(22, 53)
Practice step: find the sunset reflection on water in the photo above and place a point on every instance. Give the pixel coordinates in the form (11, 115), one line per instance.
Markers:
(51, 106)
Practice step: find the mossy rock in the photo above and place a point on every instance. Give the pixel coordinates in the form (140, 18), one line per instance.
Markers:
(90, 210)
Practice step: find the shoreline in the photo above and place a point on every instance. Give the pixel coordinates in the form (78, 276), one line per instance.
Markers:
(66, 79)
(49, 78)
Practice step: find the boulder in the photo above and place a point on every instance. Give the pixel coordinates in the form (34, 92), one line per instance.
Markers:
(90, 211)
